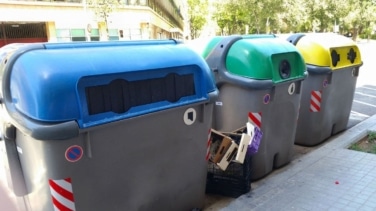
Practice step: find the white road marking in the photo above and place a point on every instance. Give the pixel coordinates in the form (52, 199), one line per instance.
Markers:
(367, 88)
(360, 102)
(359, 93)
(359, 114)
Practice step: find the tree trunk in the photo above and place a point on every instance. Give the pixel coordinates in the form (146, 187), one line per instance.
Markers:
(355, 34)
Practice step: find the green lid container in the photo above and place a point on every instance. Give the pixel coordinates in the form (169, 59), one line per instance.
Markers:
(215, 40)
(254, 57)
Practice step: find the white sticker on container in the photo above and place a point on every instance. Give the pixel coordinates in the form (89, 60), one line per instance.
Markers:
(19, 149)
(219, 103)
(190, 116)
(291, 89)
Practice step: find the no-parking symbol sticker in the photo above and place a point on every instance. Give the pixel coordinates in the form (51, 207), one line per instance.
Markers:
(266, 99)
(74, 153)
(325, 83)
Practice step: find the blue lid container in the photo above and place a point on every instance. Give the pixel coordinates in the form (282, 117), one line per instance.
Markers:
(94, 83)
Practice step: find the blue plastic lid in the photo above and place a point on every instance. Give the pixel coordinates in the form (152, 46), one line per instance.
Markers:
(99, 82)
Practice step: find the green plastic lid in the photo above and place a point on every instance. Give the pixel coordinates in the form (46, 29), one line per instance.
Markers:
(262, 58)
(215, 40)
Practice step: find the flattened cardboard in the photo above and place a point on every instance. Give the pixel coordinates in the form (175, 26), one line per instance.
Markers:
(242, 149)
(250, 131)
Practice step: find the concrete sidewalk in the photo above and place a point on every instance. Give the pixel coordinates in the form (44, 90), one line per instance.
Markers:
(330, 177)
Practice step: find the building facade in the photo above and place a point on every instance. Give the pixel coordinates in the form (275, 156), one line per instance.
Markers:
(76, 20)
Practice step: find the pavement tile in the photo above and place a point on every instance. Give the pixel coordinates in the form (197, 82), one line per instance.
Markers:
(371, 202)
(368, 193)
(357, 189)
(322, 206)
(355, 205)
(349, 209)
(335, 209)
(366, 208)
(302, 206)
(359, 199)
(342, 202)
(293, 206)
(349, 196)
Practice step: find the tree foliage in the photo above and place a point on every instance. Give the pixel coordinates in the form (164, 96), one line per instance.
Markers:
(283, 16)
(103, 8)
(197, 16)
(361, 18)
(246, 15)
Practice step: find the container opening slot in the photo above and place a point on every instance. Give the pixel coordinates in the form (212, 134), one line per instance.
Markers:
(120, 95)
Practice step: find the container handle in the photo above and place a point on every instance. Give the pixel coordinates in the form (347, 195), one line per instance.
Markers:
(294, 39)
(110, 43)
(318, 70)
(217, 63)
(15, 169)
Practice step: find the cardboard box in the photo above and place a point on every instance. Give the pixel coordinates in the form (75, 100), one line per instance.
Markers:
(219, 145)
(242, 149)
(229, 156)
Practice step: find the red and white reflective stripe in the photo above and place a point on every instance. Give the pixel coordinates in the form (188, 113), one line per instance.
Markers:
(208, 145)
(315, 104)
(62, 194)
(255, 118)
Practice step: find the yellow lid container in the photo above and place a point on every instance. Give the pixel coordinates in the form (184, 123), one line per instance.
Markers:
(329, 50)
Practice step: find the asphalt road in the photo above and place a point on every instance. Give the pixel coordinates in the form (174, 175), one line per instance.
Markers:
(364, 103)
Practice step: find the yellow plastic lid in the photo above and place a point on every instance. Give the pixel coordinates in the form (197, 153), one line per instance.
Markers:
(329, 50)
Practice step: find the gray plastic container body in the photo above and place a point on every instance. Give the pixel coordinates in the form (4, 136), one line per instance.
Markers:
(138, 138)
(152, 162)
(337, 93)
(278, 120)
